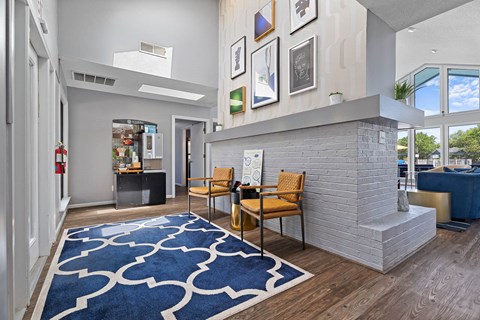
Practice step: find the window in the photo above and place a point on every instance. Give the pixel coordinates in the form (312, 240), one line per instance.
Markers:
(463, 90)
(464, 144)
(427, 147)
(427, 91)
(402, 147)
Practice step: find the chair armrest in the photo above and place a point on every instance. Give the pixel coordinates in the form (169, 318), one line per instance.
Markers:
(204, 178)
(257, 187)
(278, 193)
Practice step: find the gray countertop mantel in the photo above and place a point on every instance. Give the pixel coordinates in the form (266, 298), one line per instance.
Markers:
(376, 106)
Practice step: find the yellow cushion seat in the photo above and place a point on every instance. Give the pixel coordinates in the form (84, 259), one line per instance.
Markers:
(204, 190)
(269, 205)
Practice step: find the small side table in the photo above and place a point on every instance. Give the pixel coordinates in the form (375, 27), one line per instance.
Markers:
(432, 199)
(249, 222)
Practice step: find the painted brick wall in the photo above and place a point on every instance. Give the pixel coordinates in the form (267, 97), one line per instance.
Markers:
(350, 178)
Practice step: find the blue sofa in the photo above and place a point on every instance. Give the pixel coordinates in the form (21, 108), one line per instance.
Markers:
(464, 189)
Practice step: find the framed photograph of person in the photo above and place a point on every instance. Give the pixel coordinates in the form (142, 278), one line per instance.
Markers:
(264, 21)
(265, 74)
(302, 12)
(302, 66)
(238, 57)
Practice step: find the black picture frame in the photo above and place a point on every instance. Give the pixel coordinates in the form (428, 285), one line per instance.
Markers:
(265, 74)
(238, 57)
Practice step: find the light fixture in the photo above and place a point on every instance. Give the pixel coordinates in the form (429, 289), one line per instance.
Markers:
(411, 29)
(170, 92)
(434, 51)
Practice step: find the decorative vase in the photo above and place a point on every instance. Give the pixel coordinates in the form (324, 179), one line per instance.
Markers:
(336, 98)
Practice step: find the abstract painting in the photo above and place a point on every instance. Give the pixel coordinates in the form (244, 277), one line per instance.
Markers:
(302, 65)
(265, 20)
(237, 58)
(265, 74)
(302, 12)
(237, 100)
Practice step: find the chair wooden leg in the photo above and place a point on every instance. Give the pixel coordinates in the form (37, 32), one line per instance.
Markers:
(303, 231)
(261, 237)
(241, 224)
(281, 227)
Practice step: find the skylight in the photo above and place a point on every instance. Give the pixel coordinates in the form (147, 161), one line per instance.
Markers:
(170, 92)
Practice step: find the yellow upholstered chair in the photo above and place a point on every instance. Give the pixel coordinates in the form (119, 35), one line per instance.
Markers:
(287, 201)
(218, 186)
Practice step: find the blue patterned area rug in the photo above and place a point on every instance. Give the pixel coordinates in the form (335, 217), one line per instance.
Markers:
(171, 267)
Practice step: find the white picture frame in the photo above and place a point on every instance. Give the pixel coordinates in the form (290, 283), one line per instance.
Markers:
(302, 12)
(302, 66)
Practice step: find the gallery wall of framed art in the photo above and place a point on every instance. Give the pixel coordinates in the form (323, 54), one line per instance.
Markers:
(289, 67)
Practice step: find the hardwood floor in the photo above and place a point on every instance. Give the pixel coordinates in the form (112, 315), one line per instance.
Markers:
(442, 281)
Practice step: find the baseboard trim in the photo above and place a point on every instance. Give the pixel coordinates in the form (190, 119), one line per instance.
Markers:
(90, 204)
(169, 196)
(20, 313)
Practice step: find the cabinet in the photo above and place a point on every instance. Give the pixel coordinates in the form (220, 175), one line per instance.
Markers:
(140, 189)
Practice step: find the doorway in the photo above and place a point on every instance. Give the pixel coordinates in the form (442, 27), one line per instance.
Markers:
(189, 151)
(32, 158)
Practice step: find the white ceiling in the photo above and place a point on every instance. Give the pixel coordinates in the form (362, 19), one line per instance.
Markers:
(455, 34)
(128, 82)
(400, 14)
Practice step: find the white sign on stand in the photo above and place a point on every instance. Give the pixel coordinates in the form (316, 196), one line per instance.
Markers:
(252, 167)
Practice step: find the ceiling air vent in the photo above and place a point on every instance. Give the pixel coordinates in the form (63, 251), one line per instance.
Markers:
(158, 51)
(93, 79)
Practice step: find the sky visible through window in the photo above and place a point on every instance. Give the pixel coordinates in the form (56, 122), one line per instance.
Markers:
(427, 94)
(463, 90)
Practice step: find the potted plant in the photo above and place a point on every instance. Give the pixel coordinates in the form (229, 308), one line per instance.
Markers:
(336, 97)
(403, 90)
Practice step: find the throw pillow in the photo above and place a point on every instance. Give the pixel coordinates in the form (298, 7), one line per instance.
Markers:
(446, 169)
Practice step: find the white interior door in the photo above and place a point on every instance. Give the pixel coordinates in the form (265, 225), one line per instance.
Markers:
(32, 158)
(197, 152)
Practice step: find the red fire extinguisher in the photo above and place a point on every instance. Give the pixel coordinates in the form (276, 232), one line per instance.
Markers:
(60, 158)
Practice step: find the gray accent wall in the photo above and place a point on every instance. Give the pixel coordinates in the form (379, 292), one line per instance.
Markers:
(90, 131)
(381, 56)
(93, 30)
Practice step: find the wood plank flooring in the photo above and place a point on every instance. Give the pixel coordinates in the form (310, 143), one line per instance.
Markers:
(442, 281)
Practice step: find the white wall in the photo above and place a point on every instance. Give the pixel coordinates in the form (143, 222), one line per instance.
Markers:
(380, 57)
(90, 124)
(341, 30)
(93, 30)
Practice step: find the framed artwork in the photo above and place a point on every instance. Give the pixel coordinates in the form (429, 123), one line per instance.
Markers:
(252, 167)
(238, 57)
(265, 74)
(302, 12)
(237, 100)
(265, 20)
(302, 66)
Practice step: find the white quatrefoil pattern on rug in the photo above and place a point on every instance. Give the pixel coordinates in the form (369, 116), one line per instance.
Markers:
(170, 267)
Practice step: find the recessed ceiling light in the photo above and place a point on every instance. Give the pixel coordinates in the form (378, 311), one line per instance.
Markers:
(434, 51)
(411, 29)
(170, 92)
